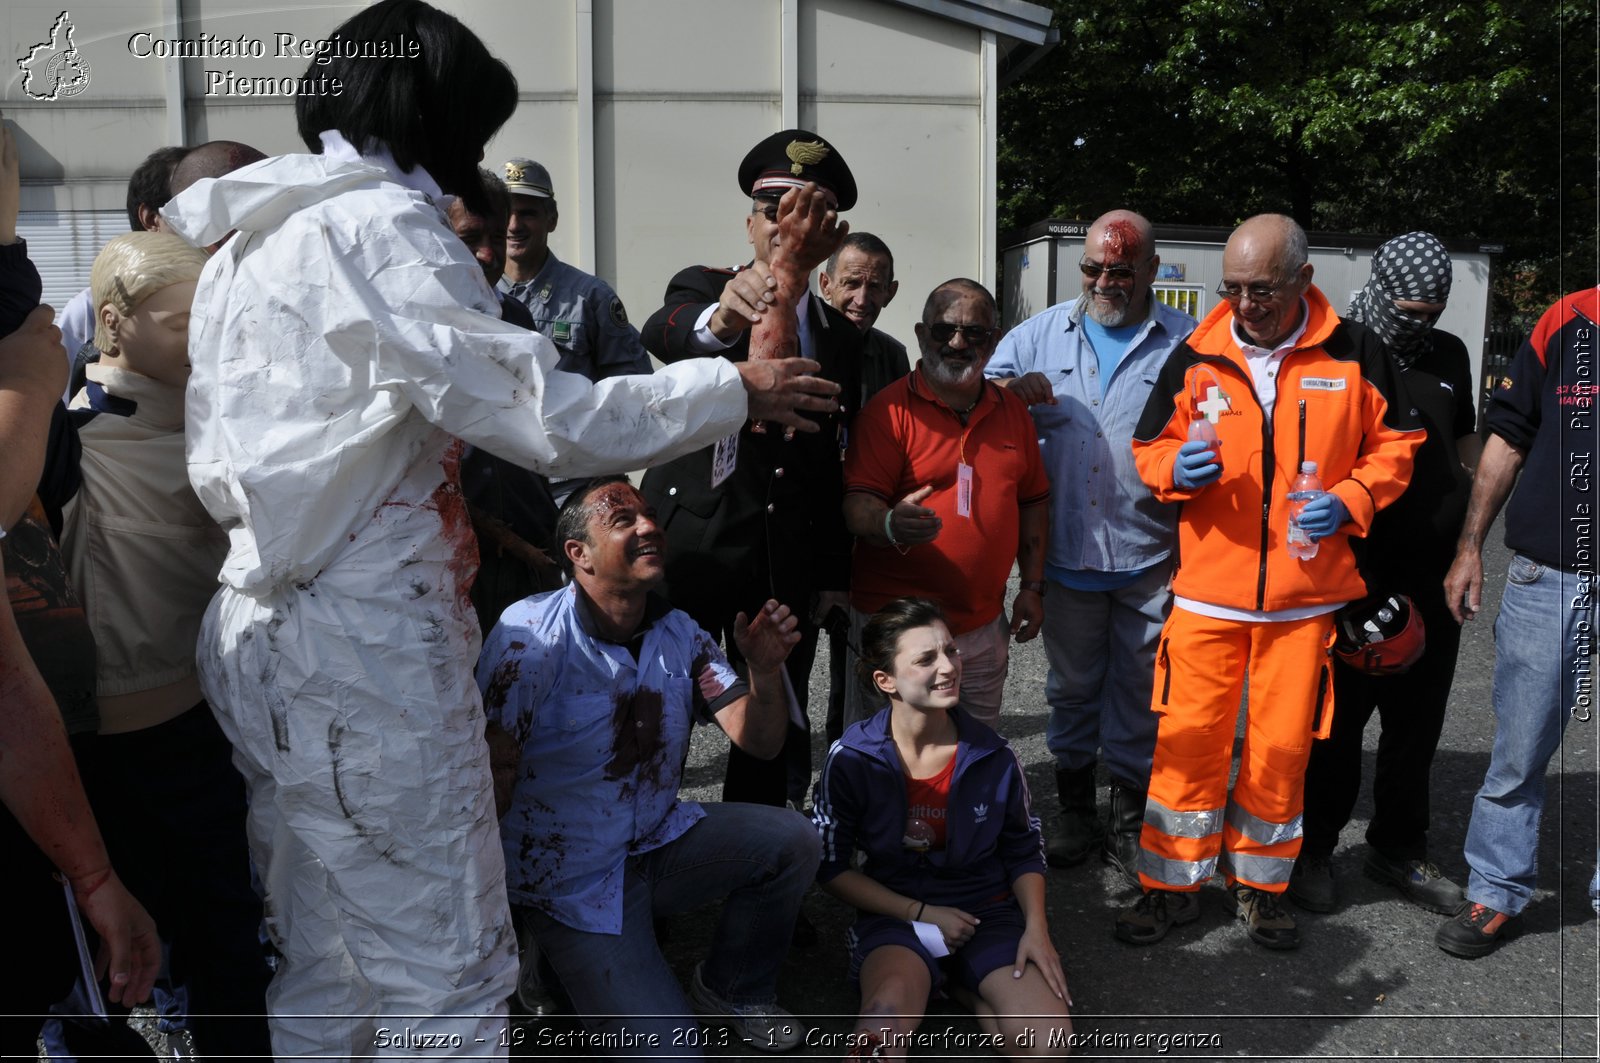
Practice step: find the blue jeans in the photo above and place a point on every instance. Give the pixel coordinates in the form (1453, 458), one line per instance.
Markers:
(761, 859)
(1101, 646)
(1543, 637)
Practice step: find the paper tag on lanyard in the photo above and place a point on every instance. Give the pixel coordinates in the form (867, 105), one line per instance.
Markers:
(963, 490)
(723, 458)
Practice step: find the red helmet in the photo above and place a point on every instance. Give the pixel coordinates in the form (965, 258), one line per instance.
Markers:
(1380, 635)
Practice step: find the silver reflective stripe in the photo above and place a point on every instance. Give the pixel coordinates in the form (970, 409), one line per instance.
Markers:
(1182, 824)
(1176, 872)
(1261, 831)
(1267, 870)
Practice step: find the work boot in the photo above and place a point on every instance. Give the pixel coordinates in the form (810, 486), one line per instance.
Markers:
(1120, 847)
(1262, 912)
(1420, 882)
(1155, 913)
(1078, 827)
(1477, 930)
(1311, 882)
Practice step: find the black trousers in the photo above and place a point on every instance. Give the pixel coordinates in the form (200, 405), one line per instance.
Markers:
(171, 807)
(1410, 708)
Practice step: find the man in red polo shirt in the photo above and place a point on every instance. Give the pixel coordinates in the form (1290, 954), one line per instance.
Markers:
(944, 489)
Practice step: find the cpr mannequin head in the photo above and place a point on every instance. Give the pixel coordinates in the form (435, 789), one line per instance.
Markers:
(143, 285)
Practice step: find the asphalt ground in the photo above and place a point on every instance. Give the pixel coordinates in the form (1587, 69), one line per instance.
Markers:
(1366, 983)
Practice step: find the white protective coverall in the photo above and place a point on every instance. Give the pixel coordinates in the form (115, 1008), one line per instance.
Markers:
(341, 343)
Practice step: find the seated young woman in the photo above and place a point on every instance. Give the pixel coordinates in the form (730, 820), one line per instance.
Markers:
(951, 894)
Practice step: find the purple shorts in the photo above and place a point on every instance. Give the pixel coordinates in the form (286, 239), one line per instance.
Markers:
(993, 944)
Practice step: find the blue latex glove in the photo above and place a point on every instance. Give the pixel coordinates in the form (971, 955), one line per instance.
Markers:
(1196, 466)
(1323, 515)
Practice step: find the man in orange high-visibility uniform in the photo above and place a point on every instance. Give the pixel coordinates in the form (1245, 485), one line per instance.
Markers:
(1281, 381)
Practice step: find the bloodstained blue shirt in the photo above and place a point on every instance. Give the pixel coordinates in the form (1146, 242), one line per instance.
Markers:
(603, 737)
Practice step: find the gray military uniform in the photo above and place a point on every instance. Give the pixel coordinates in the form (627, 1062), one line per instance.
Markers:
(582, 316)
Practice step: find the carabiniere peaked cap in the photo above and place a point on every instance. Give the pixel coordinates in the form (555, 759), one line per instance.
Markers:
(791, 158)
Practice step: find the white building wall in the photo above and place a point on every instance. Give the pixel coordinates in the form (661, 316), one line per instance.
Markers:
(641, 110)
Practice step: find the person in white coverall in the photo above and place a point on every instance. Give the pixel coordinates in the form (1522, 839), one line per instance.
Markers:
(342, 342)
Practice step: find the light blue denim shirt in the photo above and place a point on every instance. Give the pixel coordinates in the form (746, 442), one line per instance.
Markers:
(1102, 516)
(603, 744)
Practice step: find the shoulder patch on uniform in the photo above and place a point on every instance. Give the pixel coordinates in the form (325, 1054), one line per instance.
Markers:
(619, 316)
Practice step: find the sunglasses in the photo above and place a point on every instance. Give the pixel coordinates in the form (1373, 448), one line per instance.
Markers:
(1119, 274)
(975, 335)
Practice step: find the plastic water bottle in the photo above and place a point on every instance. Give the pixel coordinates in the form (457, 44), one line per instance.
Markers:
(1204, 431)
(1306, 486)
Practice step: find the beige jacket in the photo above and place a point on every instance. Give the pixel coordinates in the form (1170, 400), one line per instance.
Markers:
(140, 549)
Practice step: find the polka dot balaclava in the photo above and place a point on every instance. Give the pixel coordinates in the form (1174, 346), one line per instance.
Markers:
(1414, 266)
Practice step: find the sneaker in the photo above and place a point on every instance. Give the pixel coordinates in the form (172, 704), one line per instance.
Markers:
(1418, 880)
(1311, 883)
(764, 1027)
(180, 1046)
(1157, 912)
(1262, 912)
(1476, 930)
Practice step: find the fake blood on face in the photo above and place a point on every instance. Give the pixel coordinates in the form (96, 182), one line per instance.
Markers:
(1119, 239)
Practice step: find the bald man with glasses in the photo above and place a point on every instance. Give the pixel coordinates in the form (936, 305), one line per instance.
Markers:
(1085, 368)
(1271, 379)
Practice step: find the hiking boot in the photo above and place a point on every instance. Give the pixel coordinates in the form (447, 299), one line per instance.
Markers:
(1157, 912)
(1078, 827)
(764, 1027)
(1262, 912)
(1476, 930)
(1120, 846)
(1311, 883)
(1418, 880)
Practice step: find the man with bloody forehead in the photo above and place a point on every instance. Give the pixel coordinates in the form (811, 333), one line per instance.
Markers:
(599, 685)
(1085, 368)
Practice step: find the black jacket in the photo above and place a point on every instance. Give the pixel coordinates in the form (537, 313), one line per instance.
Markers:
(775, 526)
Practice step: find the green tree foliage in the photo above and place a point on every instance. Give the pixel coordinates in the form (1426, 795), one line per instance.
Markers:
(1475, 120)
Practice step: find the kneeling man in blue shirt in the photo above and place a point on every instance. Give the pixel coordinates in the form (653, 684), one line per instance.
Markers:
(598, 686)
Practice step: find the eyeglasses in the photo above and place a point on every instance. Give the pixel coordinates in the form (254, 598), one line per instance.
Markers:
(975, 335)
(1119, 274)
(768, 211)
(1258, 293)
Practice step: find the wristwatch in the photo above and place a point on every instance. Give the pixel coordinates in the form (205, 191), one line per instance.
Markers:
(1034, 585)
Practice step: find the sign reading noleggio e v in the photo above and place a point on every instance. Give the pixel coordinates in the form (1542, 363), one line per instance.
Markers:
(229, 82)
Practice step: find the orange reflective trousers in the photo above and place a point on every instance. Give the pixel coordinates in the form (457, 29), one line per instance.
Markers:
(1202, 664)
